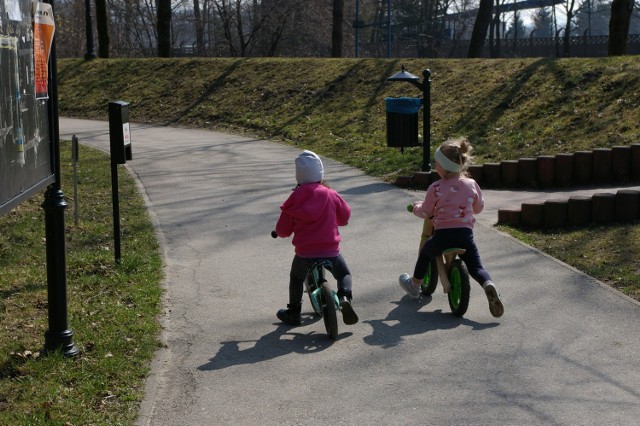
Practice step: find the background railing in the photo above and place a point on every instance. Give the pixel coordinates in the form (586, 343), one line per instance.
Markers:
(581, 46)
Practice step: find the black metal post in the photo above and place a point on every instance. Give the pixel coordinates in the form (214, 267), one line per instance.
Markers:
(58, 336)
(426, 118)
(74, 155)
(91, 53)
(115, 198)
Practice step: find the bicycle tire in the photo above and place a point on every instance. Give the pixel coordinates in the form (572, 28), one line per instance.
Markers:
(460, 289)
(329, 311)
(430, 281)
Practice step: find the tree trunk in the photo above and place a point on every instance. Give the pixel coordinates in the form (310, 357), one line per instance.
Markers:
(337, 33)
(429, 28)
(199, 28)
(619, 26)
(480, 29)
(567, 36)
(164, 28)
(102, 24)
(570, 7)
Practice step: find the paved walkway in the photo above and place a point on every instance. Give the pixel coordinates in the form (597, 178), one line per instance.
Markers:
(565, 352)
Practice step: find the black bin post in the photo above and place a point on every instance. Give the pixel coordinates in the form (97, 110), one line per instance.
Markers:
(425, 87)
(119, 133)
(402, 122)
(120, 141)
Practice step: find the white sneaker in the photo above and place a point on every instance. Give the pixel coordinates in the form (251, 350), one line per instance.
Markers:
(495, 305)
(407, 285)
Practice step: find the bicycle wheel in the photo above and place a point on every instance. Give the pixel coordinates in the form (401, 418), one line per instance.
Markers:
(460, 288)
(430, 281)
(329, 311)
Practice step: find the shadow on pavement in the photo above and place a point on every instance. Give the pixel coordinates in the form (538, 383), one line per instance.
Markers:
(406, 320)
(368, 189)
(281, 341)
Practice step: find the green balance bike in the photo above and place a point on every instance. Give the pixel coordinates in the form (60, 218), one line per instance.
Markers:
(324, 299)
(450, 269)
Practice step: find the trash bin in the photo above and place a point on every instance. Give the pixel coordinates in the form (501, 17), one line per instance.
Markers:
(402, 121)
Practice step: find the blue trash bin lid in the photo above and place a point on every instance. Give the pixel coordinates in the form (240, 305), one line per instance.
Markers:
(403, 105)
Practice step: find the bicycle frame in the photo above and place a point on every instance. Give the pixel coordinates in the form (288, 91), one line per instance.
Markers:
(444, 260)
(313, 284)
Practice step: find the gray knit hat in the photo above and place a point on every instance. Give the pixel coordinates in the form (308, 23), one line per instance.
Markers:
(309, 168)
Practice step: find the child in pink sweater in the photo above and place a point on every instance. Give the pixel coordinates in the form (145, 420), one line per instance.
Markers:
(312, 213)
(451, 203)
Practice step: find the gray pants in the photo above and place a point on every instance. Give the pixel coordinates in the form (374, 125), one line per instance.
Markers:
(299, 268)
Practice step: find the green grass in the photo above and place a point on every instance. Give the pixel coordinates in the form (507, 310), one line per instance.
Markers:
(608, 253)
(509, 108)
(112, 309)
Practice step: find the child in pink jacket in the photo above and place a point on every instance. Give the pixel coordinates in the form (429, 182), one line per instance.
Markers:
(312, 213)
(451, 202)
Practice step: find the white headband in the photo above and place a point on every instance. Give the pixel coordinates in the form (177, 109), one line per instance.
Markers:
(447, 164)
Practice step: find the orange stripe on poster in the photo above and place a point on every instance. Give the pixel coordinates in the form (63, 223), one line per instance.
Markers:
(43, 30)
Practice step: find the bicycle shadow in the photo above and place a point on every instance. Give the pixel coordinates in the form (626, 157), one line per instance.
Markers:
(282, 341)
(407, 319)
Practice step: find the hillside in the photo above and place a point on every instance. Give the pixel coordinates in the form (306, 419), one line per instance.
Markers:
(510, 108)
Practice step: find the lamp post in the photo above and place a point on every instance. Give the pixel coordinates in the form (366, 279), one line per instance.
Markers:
(425, 86)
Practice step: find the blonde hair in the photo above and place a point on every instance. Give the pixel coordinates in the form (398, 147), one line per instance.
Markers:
(458, 150)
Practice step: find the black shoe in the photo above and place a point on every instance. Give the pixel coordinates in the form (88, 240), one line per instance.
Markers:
(349, 316)
(291, 315)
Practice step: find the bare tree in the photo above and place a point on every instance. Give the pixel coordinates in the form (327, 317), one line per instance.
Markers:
(480, 28)
(281, 22)
(495, 32)
(71, 40)
(337, 33)
(199, 24)
(619, 26)
(102, 21)
(163, 9)
(246, 24)
(569, 7)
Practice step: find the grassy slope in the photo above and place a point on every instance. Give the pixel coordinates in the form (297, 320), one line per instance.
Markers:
(510, 108)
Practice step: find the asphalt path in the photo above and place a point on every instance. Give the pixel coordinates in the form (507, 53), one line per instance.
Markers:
(566, 352)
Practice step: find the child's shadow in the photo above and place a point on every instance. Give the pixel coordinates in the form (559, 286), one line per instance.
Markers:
(281, 341)
(405, 320)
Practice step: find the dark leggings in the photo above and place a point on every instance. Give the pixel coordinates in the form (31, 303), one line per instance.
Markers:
(299, 268)
(447, 238)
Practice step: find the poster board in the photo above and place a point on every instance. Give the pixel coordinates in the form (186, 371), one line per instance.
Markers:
(26, 159)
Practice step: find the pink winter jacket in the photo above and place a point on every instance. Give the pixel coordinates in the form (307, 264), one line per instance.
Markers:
(452, 203)
(313, 213)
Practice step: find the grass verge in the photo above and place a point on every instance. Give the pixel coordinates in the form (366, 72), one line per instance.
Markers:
(608, 253)
(112, 309)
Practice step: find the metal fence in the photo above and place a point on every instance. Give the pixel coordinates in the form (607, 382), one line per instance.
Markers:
(582, 46)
